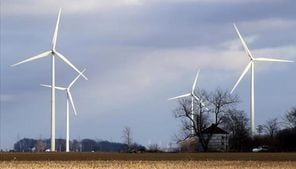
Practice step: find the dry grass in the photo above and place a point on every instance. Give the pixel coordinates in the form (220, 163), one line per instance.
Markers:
(147, 160)
(146, 164)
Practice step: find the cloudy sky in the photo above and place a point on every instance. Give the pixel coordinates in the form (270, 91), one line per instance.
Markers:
(137, 54)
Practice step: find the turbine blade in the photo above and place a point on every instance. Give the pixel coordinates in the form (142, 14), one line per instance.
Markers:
(202, 103)
(195, 97)
(195, 80)
(44, 85)
(242, 75)
(243, 42)
(71, 101)
(70, 64)
(55, 34)
(272, 60)
(71, 84)
(198, 99)
(185, 95)
(192, 104)
(49, 86)
(33, 58)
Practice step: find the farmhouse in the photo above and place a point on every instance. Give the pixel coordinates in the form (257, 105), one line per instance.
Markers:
(218, 140)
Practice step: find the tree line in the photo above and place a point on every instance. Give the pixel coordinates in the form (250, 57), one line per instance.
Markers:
(85, 145)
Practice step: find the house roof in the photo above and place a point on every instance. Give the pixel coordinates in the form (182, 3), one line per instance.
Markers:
(214, 130)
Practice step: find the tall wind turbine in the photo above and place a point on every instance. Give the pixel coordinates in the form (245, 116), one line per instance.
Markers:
(69, 99)
(193, 96)
(251, 66)
(54, 54)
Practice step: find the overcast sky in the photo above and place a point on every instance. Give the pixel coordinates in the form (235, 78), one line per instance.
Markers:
(138, 53)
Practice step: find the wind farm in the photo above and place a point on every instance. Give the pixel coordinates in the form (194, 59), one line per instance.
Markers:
(53, 54)
(147, 84)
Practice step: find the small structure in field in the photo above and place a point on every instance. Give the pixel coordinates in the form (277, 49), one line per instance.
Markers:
(218, 140)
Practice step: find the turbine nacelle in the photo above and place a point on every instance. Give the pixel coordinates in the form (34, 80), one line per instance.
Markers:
(54, 51)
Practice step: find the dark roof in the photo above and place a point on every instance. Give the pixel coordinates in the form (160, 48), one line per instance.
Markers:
(215, 130)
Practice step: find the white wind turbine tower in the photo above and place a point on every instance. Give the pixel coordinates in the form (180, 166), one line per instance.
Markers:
(193, 96)
(54, 54)
(69, 99)
(252, 65)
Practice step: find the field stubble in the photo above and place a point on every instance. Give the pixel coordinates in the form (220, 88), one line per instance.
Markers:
(147, 160)
(146, 164)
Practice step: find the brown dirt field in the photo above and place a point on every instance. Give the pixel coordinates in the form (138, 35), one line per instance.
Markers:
(148, 157)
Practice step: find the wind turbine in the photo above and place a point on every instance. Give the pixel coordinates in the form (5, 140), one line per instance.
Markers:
(193, 96)
(251, 66)
(69, 99)
(54, 54)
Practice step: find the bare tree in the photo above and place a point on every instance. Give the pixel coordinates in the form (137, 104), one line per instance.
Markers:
(153, 148)
(76, 146)
(271, 127)
(217, 102)
(127, 137)
(197, 124)
(40, 146)
(221, 101)
(290, 117)
(236, 121)
(260, 129)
